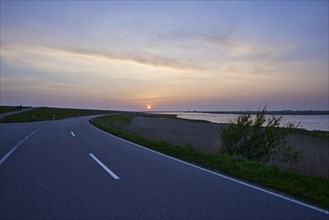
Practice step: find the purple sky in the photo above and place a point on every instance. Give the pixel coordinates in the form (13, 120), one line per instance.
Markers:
(207, 55)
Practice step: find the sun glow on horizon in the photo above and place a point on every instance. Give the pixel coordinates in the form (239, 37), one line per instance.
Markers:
(205, 56)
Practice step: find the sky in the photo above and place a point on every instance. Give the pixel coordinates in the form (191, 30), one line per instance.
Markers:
(168, 55)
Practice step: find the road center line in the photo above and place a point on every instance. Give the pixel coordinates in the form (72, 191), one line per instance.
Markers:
(16, 146)
(72, 134)
(105, 167)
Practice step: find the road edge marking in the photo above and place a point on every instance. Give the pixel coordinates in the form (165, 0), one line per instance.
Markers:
(221, 175)
(104, 167)
(16, 146)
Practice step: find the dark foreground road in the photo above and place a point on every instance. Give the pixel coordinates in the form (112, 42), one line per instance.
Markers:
(68, 169)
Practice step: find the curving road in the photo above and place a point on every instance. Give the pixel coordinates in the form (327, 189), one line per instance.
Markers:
(68, 169)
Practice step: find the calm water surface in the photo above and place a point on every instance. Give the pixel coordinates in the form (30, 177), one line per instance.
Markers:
(309, 122)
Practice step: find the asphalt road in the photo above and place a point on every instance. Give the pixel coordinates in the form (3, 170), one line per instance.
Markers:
(68, 169)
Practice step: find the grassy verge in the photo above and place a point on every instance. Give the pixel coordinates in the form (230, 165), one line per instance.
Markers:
(5, 109)
(308, 188)
(45, 113)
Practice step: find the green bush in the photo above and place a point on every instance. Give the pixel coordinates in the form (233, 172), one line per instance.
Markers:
(259, 139)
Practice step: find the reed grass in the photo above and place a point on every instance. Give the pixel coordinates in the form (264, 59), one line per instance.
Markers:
(312, 189)
(205, 136)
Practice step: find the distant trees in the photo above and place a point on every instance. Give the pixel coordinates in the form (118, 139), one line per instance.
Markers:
(259, 139)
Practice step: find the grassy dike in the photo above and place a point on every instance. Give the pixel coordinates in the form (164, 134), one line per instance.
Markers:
(46, 113)
(308, 188)
(5, 109)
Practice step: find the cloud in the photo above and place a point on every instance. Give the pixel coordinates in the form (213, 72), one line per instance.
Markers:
(136, 56)
(228, 43)
(223, 38)
(158, 60)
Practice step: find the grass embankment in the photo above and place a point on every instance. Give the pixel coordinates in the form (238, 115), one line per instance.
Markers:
(308, 188)
(45, 113)
(5, 109)
(207, 137)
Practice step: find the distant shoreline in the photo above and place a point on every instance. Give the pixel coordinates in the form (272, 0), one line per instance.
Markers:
(284, 112)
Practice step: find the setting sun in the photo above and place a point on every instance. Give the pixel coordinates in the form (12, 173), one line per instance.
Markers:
(196, 55)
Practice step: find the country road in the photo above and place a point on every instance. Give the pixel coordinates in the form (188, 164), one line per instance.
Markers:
(68, 169)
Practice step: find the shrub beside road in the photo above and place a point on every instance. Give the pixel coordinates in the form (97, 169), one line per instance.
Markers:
(312, 189)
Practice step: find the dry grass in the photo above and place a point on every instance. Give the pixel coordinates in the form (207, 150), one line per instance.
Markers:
(201, 135)
(315, 154)
(206, 136)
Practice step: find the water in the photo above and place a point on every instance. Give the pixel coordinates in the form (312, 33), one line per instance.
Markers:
(309, 122)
